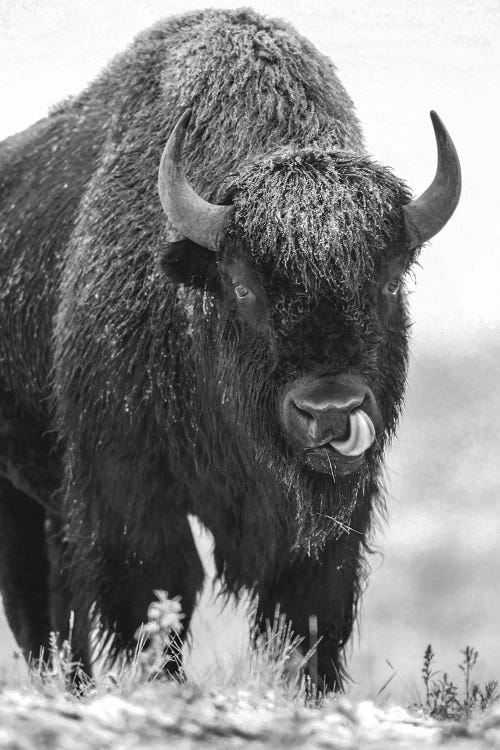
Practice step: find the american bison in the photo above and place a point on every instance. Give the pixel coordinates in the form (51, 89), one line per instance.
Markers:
(202, 311)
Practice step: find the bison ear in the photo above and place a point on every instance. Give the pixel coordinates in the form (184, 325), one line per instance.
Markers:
(185, 262)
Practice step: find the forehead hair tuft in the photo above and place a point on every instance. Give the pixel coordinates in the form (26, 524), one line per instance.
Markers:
(318, 216)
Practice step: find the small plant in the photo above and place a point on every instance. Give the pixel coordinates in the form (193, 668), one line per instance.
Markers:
(442, 696)
(159, 646)
(58, 671)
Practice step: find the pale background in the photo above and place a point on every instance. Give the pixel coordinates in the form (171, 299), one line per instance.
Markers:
(438, 578)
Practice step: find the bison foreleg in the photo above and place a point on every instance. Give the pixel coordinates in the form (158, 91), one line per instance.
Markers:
(318, 597)
(24, 570)
(168, 561)
(70, 625)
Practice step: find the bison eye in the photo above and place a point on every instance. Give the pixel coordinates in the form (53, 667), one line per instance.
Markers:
(242, 292)
(393, 287)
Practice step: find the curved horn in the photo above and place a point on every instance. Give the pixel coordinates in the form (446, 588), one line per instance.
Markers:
(426, 215)
(200, 221)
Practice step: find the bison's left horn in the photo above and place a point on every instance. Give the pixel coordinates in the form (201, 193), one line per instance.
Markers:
(426, 216)
(200, 221)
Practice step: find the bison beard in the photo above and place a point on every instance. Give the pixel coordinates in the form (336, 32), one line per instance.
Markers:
(145, 372)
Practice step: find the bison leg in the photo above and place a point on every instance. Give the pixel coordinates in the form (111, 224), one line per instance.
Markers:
(24, 569)
(326, 588)
(174, 567)
(66, 622)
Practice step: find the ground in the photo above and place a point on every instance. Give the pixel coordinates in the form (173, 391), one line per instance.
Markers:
(176, 716)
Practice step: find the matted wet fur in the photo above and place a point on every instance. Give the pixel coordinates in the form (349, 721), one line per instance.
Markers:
(122, 345)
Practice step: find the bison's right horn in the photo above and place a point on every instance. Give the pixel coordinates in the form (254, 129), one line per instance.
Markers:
(426, 215)
(198, 220)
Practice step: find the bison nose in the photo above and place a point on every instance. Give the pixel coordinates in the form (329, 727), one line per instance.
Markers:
(318, 412)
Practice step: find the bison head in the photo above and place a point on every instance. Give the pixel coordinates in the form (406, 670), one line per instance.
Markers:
(305, 268)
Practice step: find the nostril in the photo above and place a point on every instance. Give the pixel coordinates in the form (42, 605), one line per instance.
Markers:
(301, 415)
(308, 416)
(300, 424)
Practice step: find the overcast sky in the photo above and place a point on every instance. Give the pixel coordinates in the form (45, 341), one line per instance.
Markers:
(398, 59)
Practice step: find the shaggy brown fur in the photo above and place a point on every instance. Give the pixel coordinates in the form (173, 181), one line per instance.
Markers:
(157, 397)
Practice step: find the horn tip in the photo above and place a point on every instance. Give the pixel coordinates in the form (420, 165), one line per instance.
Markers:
(437, 122)
(184, 119)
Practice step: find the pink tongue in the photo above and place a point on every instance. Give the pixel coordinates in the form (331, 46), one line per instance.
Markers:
(361, 435)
